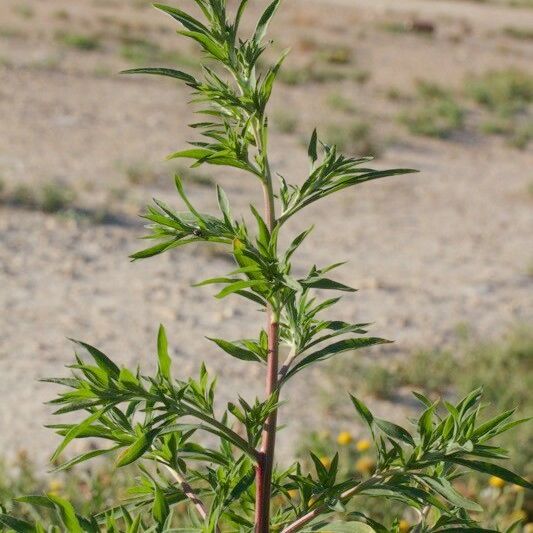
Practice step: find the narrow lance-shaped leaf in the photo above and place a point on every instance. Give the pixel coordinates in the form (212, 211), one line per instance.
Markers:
(333, 349)
(161, 71)
(67, 514)
(235, 350)
(394, 431)
(162, 353)
(264, 21)
(136, 450)
(493, 470)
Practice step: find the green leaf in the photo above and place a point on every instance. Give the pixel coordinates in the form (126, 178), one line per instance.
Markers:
(235, 350)
(67, 514)
(327, 284)
(266, 17)
(194, 153)
(154, 250)
(238, 286)
(162, 353)
(83, 457)
(75, 431)
(160, 71)
(443, 487)
(101, 359)
(185, 19)
(17, 525)
(312, 150)
(493, 470)
(223, 204)
(363, 411)
(207, 43)
(136, 450)
(333, 349)
(160, 508)
(394, 431)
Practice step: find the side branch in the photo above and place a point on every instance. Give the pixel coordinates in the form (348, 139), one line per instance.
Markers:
(188, 491)
(344, 497)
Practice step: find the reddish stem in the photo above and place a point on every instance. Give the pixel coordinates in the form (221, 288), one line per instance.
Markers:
(266, 463)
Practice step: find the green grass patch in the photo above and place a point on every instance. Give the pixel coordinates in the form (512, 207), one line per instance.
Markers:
(79, 41)
(504, 91)
(355, 138)
(285, 121)
(437, 113)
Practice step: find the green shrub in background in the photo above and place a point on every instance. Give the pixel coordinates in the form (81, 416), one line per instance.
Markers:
(155, 421)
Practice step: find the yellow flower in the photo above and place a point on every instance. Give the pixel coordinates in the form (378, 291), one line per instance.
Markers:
(344, 438)
(496, 482)
(519, 514)
(404, 526)
(326, 461)
(528, 528)
(312, 501)
(362, 445)
(55, 486)
(293, 494)
(365, 465)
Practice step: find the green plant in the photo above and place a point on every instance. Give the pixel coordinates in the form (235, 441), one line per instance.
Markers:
(56, 197)
(341, 103)
(523, 34)
(503, 91)
(24, 11)
(285, 121)
(87, 43)
(155, 421)
(437, 114)
(354, 138)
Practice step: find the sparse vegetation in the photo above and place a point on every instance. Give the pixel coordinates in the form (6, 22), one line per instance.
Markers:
(141, 51)
(437, 114)
(507, 95)
(502, 91)
(157, 422)
(314, 73)
(337, 55)
(340, 103)
(24, 10)
(354, 138)
(50, 197)
(285, 121)
(84, 42)
(523, 34)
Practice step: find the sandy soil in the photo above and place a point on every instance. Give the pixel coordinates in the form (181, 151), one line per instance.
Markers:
(448, 246)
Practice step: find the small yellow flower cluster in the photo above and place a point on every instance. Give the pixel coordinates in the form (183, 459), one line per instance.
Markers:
(326, 461)
(294, 494)
(404, 526)
(496, 482)
(55, 486)
(365, 465)
(362, 445)
(344, 438)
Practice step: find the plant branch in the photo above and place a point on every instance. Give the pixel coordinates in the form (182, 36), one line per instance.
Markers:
(344, 497)
(189, 492)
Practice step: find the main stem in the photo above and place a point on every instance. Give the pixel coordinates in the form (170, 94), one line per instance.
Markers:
(265, 461)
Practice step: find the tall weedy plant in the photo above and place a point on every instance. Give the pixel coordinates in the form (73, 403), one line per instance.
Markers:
(153, 420)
